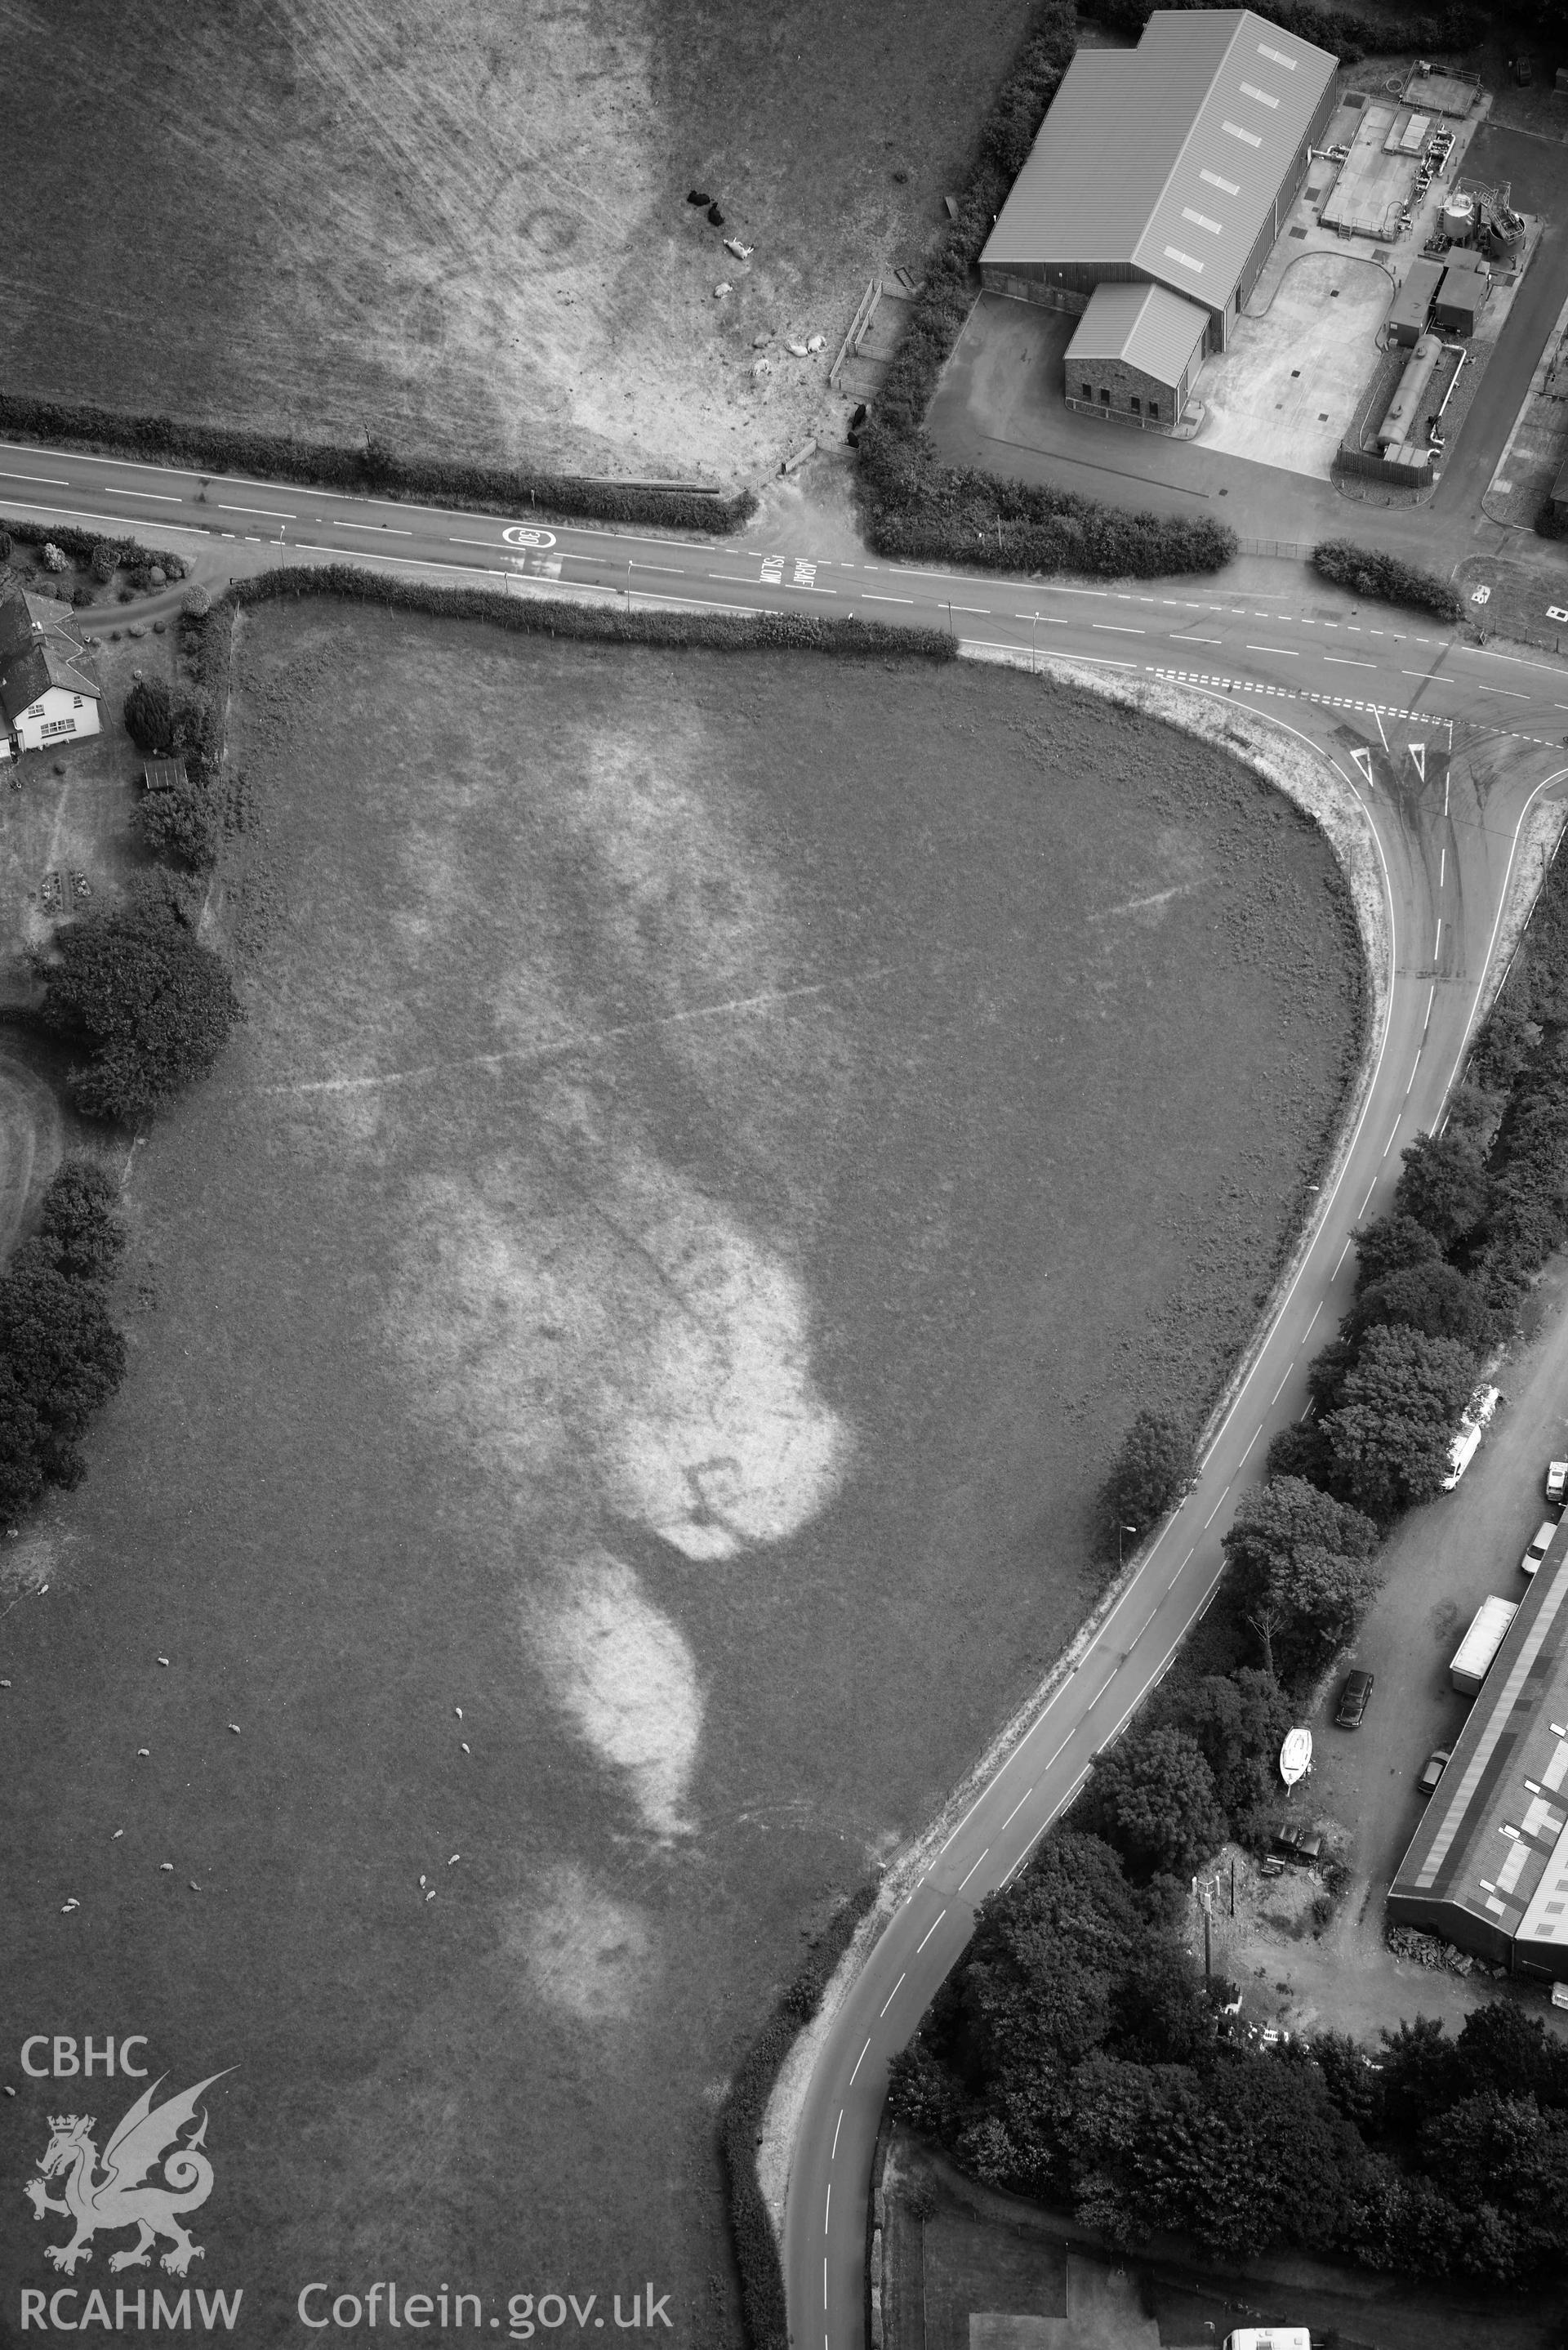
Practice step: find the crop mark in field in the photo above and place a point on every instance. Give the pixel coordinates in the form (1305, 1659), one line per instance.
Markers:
(540, 1056)
(1142, 905)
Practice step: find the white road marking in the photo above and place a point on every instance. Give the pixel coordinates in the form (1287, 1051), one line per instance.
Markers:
(276, 512)
(1437, 942)
(984, 609)
(115, 522)
(893, 1994)
(969, 1872)
(1214, 1511)
(1176, 638)
(664, 570)
(930, 1930)
(827, 2207)
(1111, 629)
(381, 529)
(1046, 619)
(1281, 1388)
(858, 2062)
(1415, 1066)
(1017, 1808)
(1362, 1209)
(1282, 650)
(1430, 1000)
(1250, 1442)
(1442, 865)
(39, 481)
(1389, 1144)
(1512, 692)
(869, 596)
(1344, 661)
(162, 498)
(1316, 1310)
(838, 2124)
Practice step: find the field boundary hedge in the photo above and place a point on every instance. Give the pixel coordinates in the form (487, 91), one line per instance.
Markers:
(1367, 572)
(1349, 34)
(82, 545)
(598, 623)
(374, 471)
(740, 2124)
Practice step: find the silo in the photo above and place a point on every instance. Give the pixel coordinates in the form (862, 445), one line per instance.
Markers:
(1458, 216)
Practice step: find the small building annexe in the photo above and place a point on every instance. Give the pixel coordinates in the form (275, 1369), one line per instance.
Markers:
(49, 688)
(1173, 165)
(1136, 352)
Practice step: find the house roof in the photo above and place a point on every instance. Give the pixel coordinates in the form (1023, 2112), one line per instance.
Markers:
(1148, 327)
(1494, 1838)
(40, 647)
(1166, 158)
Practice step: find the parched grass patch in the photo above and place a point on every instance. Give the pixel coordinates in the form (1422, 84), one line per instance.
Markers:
(720, 1146)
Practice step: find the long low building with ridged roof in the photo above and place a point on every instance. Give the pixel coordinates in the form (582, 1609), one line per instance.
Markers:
(1488, 1867)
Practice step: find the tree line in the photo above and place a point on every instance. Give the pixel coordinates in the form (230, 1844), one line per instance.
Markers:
(61, 1354)
(1073, 2056)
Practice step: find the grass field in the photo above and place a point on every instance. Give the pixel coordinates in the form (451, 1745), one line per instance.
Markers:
(720, 1148)
(467, 228)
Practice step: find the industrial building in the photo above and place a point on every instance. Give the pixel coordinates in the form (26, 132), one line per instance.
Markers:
(1489, 1866)
(1171, 165)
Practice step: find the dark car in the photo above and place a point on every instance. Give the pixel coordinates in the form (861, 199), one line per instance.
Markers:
(1353, 1699)
(1437, 1763)
(1301, 1844)
(1525, 71)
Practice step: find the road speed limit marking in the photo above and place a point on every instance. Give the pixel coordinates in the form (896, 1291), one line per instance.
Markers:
(521, 534)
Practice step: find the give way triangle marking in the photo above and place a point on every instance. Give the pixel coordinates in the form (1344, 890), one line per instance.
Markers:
(1363, 761)
(1419, 753)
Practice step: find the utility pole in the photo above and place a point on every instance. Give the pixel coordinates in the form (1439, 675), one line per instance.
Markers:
(1207, 1955)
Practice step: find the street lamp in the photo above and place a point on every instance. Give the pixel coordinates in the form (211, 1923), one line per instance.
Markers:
(1121, 1530)
(1034, 631)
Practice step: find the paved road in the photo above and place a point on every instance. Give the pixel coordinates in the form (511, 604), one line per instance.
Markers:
(1487, 727)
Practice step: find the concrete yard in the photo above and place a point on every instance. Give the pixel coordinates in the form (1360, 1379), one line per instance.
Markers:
(1286, 390)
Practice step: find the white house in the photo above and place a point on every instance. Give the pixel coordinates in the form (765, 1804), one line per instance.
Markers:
(49, 688)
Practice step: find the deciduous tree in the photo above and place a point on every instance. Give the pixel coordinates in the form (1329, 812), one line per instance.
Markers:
(1401, 1405)
(153, 1007)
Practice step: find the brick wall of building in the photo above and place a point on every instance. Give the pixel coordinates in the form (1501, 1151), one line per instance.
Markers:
(1089, 381)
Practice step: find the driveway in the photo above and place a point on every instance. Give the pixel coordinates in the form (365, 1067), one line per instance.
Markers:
(1441, 1563)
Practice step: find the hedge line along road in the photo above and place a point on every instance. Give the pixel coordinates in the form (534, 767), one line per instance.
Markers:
(1450, 746)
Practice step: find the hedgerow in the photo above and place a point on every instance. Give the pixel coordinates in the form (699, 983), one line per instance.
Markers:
(1367, 572)
(1348, 35)
(739, 2126)
(370, 469)
(82, 546)
(599, 623)
(916, 509)
(61, 1355)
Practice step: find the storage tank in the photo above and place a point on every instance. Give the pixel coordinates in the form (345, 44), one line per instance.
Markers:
(1458, 216)
(1419, 370)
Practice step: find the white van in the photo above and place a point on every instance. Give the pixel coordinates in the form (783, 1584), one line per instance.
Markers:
(1540, 1544)
(1269, 2337)
(1468, 1435)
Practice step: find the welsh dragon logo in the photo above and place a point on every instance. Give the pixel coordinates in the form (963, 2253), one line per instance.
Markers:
(124, 2194)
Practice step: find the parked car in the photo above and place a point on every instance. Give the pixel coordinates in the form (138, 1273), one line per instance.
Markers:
(1523, 69)
(1437, 1763)
(1298, 1844)
(1539, 1544)
(1353, 1699)
(1557, 1480)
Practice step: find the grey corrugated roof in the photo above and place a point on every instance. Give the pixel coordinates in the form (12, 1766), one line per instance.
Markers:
(1148, 325)
(1166, 157)
(1494, 1838)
